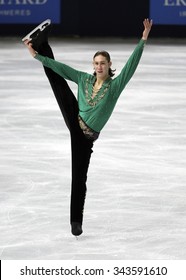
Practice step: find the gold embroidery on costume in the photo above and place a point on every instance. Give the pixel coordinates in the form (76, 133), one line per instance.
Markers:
(88, 132)
(100, 94)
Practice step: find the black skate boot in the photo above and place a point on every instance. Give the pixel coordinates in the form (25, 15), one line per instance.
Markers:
(76, 228)
(39, 35)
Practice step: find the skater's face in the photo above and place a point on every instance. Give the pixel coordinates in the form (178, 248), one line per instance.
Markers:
(101, 66)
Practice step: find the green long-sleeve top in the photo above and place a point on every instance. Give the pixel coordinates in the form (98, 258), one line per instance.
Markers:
(96, 111)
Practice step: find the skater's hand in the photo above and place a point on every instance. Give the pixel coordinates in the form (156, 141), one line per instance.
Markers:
(147, 27)
(28, 44)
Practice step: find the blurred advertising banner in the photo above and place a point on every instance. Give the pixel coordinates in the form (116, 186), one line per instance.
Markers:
(29, 11)
(168, 12)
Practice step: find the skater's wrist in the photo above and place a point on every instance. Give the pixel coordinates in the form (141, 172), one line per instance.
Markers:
(32, 51)
(34, 54)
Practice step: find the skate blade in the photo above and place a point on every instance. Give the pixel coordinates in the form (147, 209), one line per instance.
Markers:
(40, 27)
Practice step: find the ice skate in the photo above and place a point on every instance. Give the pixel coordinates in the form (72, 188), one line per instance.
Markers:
(39, 34)
(76, 229)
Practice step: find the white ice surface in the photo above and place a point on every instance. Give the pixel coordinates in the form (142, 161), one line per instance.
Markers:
(136, 199)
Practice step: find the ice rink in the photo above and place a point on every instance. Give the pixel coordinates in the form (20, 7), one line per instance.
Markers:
(136, 199)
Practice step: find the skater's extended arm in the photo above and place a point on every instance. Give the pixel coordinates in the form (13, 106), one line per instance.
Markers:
(62, 69)
(133, 61)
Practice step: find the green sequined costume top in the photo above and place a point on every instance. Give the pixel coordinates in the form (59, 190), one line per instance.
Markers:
(96, 111)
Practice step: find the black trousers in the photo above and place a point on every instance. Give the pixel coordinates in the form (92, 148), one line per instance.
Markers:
(81, 147)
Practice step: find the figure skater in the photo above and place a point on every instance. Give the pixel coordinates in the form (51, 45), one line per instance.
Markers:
(86, 115)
